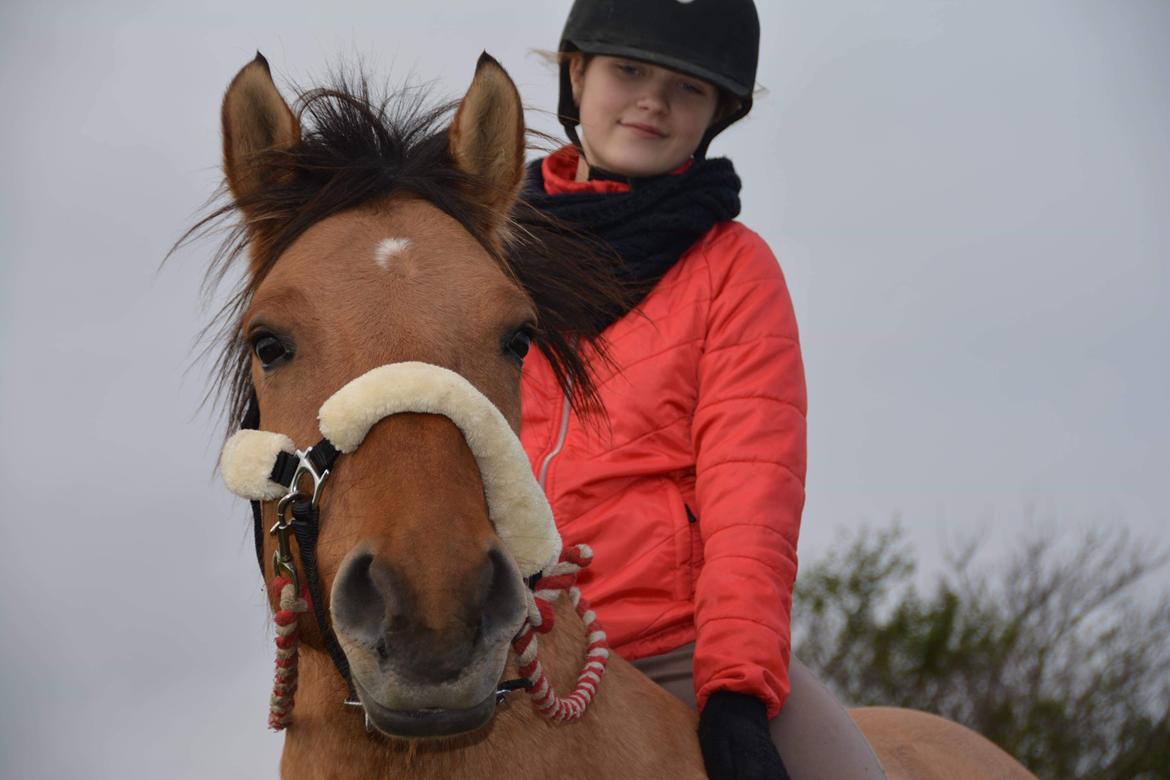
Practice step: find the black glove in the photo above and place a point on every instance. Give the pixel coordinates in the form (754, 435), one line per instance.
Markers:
(736, 743)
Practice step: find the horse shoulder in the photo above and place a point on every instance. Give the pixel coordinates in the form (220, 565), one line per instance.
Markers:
(639, 730)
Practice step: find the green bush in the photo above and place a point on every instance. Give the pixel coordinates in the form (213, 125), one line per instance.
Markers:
(1062, 659)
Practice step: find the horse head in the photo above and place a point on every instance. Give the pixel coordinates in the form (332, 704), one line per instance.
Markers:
(382, 307)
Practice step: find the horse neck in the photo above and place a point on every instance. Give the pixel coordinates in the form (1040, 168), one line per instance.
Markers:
(327, 738)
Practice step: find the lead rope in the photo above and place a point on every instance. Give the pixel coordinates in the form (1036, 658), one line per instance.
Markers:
(284, 687)
(557, 578)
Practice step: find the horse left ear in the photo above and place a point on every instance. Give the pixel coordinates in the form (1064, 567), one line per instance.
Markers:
(486, 140)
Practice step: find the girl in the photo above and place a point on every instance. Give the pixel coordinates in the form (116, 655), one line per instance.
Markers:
(691, 495)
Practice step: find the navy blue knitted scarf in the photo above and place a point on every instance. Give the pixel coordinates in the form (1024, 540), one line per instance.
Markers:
(650, 226)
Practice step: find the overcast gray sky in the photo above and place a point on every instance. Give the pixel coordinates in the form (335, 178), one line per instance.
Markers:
(969, 200)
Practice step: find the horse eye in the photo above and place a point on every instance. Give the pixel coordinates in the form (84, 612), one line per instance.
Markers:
(269, 349)
(519, 343)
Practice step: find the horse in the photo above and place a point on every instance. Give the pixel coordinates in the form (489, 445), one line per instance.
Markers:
(385, 249)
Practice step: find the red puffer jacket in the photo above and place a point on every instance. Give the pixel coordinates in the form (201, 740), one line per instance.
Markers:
(691, 492)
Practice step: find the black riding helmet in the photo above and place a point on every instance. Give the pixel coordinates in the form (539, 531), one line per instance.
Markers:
(714, 40)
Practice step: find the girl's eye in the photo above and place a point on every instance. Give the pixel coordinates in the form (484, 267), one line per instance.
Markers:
(627, 69)
(269, 350)
(518, 344)
(692, 88)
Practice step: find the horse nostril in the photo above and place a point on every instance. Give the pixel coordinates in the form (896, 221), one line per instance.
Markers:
(503, 604)
(367, 600)
(356, 602)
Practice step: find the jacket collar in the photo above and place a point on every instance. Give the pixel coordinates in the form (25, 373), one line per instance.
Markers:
(560, 175)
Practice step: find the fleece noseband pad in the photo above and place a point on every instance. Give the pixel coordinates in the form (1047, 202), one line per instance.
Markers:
(517, 506)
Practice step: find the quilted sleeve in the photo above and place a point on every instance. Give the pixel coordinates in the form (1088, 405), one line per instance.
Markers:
(750, 455)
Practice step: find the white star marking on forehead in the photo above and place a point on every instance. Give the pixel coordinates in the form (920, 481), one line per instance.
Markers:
(388, 248)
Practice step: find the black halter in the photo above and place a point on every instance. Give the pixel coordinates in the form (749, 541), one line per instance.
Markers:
(306, 526)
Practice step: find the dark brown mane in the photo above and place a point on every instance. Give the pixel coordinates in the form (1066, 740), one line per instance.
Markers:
(356, 149)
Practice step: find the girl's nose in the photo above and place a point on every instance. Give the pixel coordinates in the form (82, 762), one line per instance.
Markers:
(654, 98)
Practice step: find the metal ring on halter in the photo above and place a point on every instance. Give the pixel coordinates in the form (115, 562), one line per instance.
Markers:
(510, 686)
(305, 466)
(356, 704)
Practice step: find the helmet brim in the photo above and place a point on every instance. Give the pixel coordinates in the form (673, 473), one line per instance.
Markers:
(738, 89)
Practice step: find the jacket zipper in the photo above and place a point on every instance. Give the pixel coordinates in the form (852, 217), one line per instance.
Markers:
(566, 407)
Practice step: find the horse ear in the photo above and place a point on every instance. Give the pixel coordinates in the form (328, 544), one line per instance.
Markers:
(255, 119)
(486, 140)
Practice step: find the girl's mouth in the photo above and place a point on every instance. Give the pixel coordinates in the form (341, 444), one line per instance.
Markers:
(646, 131)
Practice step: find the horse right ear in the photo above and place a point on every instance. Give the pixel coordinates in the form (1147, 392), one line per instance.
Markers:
(486, 140)
(255, 119)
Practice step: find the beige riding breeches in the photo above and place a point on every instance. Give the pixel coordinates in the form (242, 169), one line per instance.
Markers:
(815, 735)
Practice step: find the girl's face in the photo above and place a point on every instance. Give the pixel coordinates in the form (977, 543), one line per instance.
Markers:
(639, 119)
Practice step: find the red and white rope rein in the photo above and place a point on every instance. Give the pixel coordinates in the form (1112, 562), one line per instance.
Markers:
(558, 578)
(562, 576)
(284, 687)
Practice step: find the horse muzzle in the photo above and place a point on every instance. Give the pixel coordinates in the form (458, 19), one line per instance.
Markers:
(416, 679)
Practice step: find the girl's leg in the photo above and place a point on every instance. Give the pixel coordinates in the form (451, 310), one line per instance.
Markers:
(814, 734)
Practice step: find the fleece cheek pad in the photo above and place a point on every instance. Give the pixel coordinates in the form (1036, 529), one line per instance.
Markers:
(516, 504)
(247, 461)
